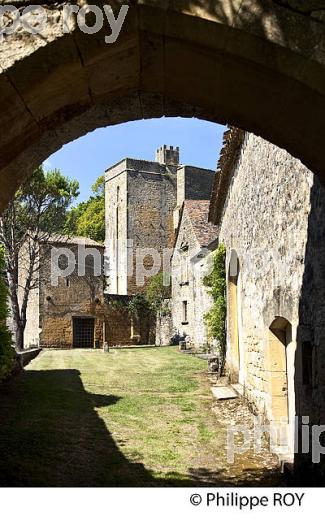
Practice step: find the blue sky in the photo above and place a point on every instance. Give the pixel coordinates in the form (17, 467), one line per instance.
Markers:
(88, 157)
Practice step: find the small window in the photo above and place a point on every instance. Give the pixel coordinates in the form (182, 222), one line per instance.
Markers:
(184, 247)
(184, 273)
(307, 362)
(185, 317)
(67, 282)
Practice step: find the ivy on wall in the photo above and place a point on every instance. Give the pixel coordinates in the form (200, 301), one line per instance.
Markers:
(138, 306)
(152, 302)
(216, 316)
(6, 349)
(157, 291)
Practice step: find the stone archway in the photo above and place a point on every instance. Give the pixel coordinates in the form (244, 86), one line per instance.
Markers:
(280, 392)
(253, 63)
(280, 336)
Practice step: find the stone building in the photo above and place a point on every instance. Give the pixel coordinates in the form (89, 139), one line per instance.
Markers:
(270, 210)
(143, 200)
(191, 259)
(68, 308)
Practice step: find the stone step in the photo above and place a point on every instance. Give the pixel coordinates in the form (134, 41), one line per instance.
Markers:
(238, 388)
(224, 392)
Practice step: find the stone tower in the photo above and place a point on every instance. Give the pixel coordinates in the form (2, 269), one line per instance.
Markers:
(168, 155)
(142, 200)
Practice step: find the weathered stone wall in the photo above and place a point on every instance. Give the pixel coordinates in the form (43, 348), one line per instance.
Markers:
(118, 327)
(51, 308)
(265, 220)
(164, 325)
(74, 295)
(151, 201)
(194, 184)
(150, 194)
(147, 197)
(187, 286)
(116, 246)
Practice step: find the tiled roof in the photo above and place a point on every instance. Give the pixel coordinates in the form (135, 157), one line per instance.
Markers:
(198, 212)
(70, 240)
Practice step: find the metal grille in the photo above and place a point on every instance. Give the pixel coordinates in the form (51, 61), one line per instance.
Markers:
(83, 332)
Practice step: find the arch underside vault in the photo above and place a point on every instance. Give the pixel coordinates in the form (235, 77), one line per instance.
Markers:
(245, 63)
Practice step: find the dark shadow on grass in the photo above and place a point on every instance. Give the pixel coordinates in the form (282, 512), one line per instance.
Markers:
(51, 435)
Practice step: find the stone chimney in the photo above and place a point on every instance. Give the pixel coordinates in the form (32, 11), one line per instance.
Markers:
(168, 155)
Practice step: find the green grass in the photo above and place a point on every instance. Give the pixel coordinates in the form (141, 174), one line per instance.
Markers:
(138, 417)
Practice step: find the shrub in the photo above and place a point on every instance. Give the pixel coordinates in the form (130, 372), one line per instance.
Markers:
(138, 305)
(157, 291)
(216, 316)
(6, 349)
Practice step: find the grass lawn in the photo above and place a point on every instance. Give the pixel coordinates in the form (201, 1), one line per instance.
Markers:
(138, 417)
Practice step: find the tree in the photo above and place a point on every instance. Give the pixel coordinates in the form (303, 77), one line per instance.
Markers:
(157, 291)
(6, 350)
(37, 211)
(87, 219)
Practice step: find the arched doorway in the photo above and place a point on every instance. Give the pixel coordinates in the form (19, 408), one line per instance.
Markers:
(279, 338)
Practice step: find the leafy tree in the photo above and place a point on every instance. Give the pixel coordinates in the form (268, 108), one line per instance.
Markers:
(157, 292)
(6, 350)
(138, 305)
(37, 211)
(87, 219)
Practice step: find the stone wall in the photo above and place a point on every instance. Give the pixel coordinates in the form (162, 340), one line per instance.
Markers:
(149, 192)
(187, 286)
(74, 295)
(194, 183)
(123, 329)
(52, 308)
(116, 246)
(151, 201)
(267, 220)
(147, 197)
(164, 325)
(310, 391)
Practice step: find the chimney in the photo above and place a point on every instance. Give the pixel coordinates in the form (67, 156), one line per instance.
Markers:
(168, 155)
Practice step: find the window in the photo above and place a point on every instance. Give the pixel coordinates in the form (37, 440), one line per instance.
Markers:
(184, 247)
(307, 362)
(185, 320)
(67, 282)
(83, 332)
(184, 273)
